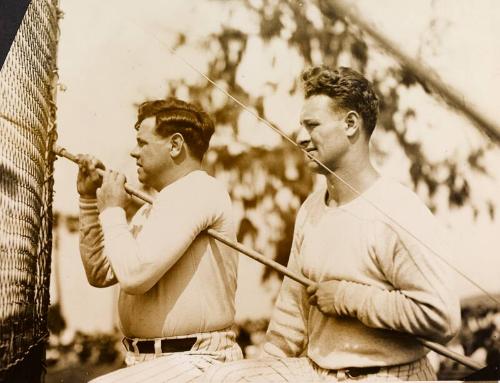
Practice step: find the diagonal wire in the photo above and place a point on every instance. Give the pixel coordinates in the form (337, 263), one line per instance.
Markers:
(326, 168)
(311, 157)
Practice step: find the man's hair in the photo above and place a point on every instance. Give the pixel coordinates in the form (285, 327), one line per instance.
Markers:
(177, 116)
(349, 89)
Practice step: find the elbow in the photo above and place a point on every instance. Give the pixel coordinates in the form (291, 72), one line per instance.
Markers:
(443, 325)
(452, 324)
(96, 279)
(137, 280)
(442, 335)
(93, 282)
(98, 284)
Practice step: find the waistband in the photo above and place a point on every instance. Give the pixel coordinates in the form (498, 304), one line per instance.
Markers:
(211, 341)
(354, 372)
(419, 369)
(160, 345)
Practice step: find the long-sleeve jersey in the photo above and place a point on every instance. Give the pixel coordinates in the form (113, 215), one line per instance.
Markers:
(174, 279)
(393, 284)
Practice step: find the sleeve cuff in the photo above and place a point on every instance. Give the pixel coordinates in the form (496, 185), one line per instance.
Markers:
(112, 216)
(88, 203)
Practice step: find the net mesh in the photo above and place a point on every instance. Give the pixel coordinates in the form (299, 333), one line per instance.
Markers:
(27, 134)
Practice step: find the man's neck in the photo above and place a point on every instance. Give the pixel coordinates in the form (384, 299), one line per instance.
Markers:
(177, 173)
(360, 178)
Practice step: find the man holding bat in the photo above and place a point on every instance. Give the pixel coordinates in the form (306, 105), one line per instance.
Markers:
(177, 284)
(373, 248)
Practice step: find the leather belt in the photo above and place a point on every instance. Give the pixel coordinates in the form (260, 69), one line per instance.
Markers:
(167, 345)
(354, 372)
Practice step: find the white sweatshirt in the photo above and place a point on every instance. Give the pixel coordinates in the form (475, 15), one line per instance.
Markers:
(392, 284)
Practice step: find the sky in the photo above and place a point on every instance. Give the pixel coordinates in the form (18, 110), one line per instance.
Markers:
(113, 54)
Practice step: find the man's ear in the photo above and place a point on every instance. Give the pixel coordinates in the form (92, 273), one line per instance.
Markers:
(353, 123)
(176, 144)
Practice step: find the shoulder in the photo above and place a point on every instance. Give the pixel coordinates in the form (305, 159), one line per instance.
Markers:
(197, 192)
(209, 187)
(392, 196)
(195, 184)
(402, 214)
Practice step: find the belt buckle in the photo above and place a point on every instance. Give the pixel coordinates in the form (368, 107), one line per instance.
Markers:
(130, 345)
(125, 343)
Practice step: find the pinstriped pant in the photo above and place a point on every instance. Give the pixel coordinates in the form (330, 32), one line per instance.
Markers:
(210, 348)
(303, 370)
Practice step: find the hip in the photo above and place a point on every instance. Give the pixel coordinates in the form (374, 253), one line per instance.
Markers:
(219, 345)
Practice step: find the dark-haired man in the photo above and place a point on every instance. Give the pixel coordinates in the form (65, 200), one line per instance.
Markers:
(177, 284)
(373, 249)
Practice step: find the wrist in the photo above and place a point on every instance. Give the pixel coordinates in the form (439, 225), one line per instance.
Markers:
(88, 195)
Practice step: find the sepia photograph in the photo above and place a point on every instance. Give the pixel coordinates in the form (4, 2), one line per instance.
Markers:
(249, 191)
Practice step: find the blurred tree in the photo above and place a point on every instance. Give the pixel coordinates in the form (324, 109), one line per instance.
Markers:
(269, 182)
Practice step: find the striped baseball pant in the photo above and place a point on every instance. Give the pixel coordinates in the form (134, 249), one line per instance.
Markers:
(304, 370)
(210, 348)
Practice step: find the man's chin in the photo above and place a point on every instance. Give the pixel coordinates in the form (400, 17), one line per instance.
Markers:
(141, 176)
(317, 169)
(313, 166)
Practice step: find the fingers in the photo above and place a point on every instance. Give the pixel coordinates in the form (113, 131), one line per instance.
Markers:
(110, 179)
(312, 289)
(313, 298)
(89, 164)
(111, 176)
(99, 165)
(112, 192)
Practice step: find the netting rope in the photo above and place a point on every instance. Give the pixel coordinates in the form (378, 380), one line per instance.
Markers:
(27, 134)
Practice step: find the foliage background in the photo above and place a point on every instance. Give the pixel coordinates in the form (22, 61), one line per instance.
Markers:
(311, 33)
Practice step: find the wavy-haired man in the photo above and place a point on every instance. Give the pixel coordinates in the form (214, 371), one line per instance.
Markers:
(373, 249)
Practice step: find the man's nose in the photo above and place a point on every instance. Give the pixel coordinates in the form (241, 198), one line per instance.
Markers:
(134, 153)
(303, 137)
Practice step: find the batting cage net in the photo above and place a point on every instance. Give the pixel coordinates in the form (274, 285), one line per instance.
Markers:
(27, 133)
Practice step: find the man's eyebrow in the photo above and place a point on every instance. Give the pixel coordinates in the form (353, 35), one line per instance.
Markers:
(308, 120)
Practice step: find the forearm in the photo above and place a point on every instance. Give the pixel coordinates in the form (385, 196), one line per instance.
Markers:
(420, 300)
(97, 267)
(139, 262)
(416, 312)
(165, 230)
(132, 271)
(287, 332)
